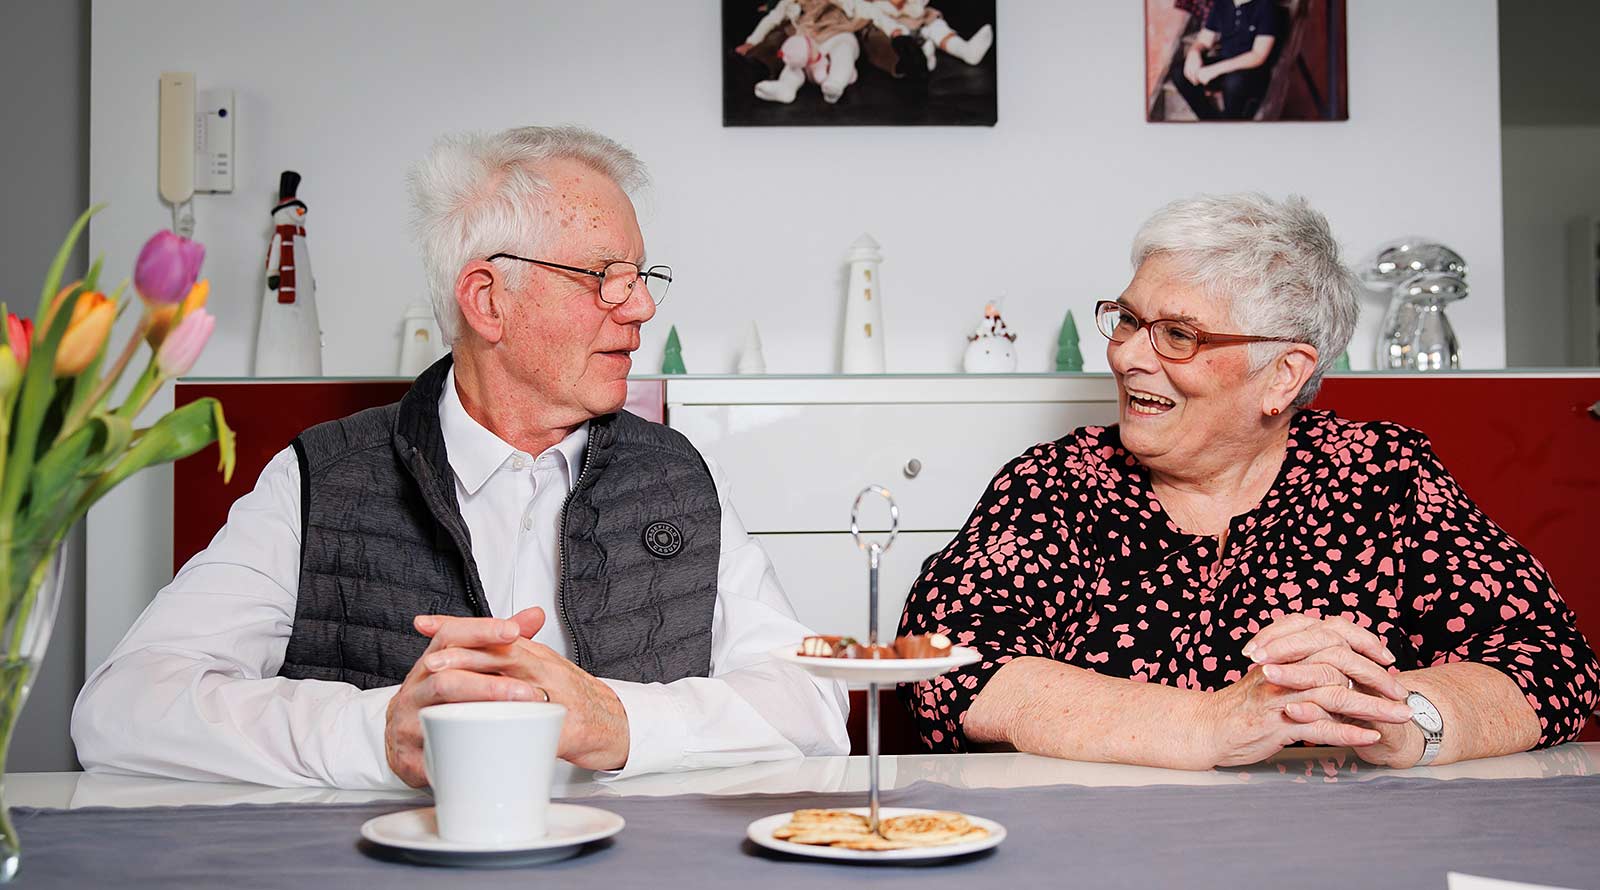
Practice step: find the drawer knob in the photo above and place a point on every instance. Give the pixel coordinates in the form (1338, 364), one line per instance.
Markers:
(912, 468)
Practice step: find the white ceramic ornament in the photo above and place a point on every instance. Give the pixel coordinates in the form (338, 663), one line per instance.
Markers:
(861, 342)
(751, 359)
(991, 347)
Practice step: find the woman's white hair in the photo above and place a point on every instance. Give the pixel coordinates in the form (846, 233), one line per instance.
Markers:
(1274, 264)
(478, 194)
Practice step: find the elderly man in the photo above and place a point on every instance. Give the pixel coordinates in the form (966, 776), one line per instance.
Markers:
(504, 532)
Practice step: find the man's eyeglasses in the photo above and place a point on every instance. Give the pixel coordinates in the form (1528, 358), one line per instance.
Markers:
(618, 279)
(1174, 340)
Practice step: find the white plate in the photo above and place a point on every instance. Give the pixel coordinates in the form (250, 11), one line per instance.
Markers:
(415, 835)
(760, 832)
(873, 670)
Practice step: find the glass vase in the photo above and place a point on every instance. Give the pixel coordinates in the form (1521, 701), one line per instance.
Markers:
(32, 575)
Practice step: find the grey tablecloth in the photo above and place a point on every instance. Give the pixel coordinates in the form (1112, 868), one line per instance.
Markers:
(1384, 832)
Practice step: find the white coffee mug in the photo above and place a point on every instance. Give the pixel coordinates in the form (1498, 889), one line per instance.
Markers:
(490, 765)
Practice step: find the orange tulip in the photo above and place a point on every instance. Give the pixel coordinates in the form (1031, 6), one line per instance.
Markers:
(163, 317)
(43, 328)
(86, 333)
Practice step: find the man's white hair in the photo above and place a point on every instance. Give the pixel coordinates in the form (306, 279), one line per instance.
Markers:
(1275, 265)
(478, 194)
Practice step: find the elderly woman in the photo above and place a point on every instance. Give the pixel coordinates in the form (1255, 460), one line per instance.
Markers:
(1225, 571)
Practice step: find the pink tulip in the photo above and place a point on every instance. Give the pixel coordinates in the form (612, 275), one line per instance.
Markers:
(182, 347)
(167, 268)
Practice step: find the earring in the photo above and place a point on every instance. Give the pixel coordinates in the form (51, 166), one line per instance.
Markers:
(1274, 412)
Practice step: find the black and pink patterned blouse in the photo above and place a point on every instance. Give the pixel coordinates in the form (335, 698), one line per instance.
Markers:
(1069, 556)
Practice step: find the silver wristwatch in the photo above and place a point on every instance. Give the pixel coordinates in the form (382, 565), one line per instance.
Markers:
(1427, 719)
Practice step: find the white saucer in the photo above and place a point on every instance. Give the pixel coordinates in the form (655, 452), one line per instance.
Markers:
(760, 833)
(415, 835)
(884, 671)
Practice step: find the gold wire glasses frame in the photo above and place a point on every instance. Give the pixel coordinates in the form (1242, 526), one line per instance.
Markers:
(617, 279)
(1173, 340)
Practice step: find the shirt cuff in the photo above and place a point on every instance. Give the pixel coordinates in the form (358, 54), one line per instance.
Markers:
(658, 736)
(372, 708)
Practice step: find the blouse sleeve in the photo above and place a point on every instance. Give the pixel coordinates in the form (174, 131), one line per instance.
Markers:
(1475, 594)
(985, 590)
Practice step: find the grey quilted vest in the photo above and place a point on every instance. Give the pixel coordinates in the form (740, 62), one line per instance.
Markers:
(383, 540)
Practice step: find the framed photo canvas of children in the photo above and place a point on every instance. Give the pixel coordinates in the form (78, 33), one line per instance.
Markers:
(1245, 60)
(858, 63)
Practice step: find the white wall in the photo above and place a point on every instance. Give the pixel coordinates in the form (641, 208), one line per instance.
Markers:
(756, 221)
(1552, 176)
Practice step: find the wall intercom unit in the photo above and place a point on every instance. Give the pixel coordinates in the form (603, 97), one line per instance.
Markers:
(196, 145)
(177, 137)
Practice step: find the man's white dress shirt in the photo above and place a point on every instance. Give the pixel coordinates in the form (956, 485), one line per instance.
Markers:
(191, 692)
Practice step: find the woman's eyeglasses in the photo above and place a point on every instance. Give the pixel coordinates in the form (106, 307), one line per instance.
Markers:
(1173, 340)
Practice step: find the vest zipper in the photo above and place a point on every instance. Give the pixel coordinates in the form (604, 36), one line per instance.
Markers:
(561, 556)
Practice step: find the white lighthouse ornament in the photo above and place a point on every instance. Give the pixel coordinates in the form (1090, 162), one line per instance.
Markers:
(289, 337)
(991, 347)
(861, 346)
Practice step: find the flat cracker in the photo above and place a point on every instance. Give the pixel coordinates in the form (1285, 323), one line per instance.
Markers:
(872, 842)
(821, 822)
(826, 838)
(838, 828)
(926, 829)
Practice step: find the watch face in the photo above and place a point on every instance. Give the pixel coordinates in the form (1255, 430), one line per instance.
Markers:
(1424, 713)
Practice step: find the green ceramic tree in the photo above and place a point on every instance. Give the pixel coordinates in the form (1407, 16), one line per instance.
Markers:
(1068, 358)
(1343, 364)
(672, 358)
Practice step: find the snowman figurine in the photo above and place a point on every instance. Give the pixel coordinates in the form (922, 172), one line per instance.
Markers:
(289, 337)
(991, 348)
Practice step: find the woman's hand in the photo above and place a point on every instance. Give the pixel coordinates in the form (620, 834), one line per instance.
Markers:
(1300, 652)
(1191, 68)
(1254, 718)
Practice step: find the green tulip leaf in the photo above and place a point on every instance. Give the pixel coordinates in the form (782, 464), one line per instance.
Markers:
(91, 281)
(173, 437)
(226, 444)
(33, 403)
(69, 468)
(52, 279)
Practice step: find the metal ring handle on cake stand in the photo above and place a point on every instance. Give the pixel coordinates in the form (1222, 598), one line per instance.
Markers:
(875, 553)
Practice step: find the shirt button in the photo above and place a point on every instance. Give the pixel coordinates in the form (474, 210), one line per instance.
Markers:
(527, 523)
(518, 463)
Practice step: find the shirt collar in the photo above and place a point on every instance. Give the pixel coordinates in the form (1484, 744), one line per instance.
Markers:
(475, 452)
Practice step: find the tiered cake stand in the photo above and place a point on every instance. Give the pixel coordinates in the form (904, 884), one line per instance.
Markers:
(873, 674)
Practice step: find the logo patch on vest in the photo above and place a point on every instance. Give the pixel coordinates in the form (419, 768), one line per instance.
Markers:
(663, 539)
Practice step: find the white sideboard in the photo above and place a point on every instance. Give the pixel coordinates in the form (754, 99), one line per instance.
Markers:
(797, 450)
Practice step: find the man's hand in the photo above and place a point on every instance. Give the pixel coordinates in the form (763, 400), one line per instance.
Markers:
(423, 686)
(595, 733)
(1191, 68)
